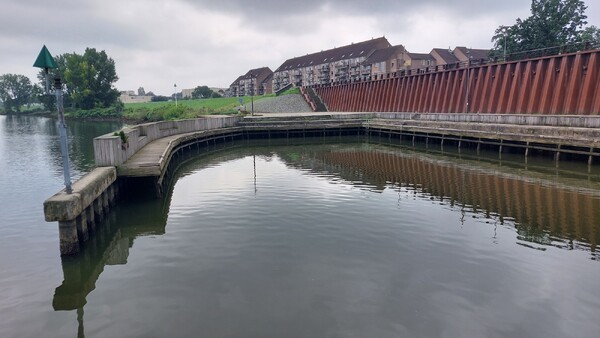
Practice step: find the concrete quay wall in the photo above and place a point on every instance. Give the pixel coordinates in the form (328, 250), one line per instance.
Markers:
(575, 121)
(109, 150)
(78, 213)
(93, 194)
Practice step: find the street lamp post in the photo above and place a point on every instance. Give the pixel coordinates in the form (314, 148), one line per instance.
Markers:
(467, 82)
(253, 82)
(175, 86)
(504, 45)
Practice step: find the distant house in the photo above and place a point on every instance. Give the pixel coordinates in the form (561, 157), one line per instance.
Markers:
(416, 61)
(234, 87)
(186, 93)
(255, 82)
(130, 96)
(444, 56)
(337, 64)
(475, 55)
(384, 61)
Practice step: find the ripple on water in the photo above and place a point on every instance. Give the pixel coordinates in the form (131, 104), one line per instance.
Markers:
(274, 244)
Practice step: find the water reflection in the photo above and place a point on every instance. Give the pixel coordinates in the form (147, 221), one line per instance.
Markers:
(545, 210)
(109, 246)
(39, 135)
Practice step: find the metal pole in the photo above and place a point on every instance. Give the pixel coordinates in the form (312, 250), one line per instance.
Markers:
(252, 97)
(175, 85)
(62, 130)
(467, 82)
(47, 91)
(504, 45)
(254, 161)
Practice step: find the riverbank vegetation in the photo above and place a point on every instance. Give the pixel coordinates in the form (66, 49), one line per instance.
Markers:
(157, 111)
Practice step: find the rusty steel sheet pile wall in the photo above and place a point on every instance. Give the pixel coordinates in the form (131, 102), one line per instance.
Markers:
(567, 84)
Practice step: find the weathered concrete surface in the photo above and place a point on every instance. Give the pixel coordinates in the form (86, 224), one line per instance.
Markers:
(66, 207)
(154, 157)
(567, 130)
(575, 121)
(579, 137)
(110, 151)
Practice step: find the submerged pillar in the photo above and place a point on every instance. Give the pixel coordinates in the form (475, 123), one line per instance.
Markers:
(69, 241)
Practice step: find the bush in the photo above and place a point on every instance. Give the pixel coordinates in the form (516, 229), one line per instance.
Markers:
(114, 111)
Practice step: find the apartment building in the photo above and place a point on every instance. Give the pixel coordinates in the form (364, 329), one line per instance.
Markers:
(384, 61)
(367, 59)
(410, 61)
(444, 56)
(333, 65)
(257, 81)
(187, 93)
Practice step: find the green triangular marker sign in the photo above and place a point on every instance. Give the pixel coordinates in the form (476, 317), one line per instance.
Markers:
(44, 59)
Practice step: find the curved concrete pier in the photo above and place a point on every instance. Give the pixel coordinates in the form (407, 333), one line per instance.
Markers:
(151, 147)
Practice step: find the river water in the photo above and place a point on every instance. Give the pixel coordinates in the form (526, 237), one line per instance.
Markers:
(336, 237)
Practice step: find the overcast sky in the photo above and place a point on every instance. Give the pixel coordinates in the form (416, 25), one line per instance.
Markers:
(156, 44)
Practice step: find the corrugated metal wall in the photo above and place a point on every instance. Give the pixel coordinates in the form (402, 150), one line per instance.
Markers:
(561, 84)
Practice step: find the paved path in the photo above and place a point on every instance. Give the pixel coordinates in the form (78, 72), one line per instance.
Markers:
(147, 161)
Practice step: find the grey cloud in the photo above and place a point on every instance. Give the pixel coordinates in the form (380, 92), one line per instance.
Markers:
(279, 10)
(302, 17)
(69, 21)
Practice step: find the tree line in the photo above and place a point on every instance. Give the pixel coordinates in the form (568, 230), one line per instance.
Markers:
(553, 23)
(88, 83)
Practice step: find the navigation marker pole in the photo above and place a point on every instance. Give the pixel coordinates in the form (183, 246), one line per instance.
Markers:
(62, 129)
(46, 62)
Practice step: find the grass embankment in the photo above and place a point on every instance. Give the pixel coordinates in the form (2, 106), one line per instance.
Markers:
(158, 111)
(185, 109)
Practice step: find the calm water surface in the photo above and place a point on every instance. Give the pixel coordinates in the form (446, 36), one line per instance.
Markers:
(330, 238)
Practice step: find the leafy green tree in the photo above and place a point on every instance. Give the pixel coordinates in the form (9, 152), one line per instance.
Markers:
(552, 23)
(204, 92)
(88, 79)
(201, 92)
(591, 34)
(15, 91)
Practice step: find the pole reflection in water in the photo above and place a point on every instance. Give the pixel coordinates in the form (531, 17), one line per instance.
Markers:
(109, 246)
